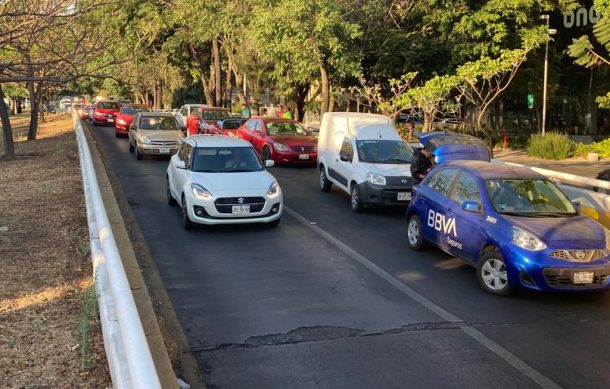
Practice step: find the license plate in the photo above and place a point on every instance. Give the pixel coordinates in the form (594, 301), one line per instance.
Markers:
(164, 150)
(241, 210)
(304, 156)
(404, 196)
(110, 120)
(583, 277)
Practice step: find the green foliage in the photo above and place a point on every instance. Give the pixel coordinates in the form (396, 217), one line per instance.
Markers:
(553, 145)
(602, 148)
(586, 54)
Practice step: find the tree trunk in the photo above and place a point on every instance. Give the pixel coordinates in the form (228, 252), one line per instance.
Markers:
(227, 94)
(428, 117)
(14, 99)
(217, 73)
(302, 92)
(239, 80)
(331, 99)
(324, 95)
(7, 131)
(35, 93)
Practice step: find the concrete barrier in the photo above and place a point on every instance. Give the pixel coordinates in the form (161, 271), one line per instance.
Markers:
(129, 359)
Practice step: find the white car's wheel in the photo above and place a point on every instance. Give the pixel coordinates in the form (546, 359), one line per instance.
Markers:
(187, 224)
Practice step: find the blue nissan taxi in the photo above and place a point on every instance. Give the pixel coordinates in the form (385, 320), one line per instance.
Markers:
(514, 225)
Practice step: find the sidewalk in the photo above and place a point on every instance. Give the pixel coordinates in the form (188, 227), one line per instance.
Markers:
(577, 166)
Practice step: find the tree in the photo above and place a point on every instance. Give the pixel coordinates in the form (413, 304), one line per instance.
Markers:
(482, 81)
(586, 54)
(318, 25)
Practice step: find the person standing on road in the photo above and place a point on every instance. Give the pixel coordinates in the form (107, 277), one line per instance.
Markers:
(245, 111)
(280, 111)
(287, 114)
(421, 165)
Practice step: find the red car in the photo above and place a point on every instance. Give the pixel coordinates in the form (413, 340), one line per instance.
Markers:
(125, 117)
(105, 112)
(82, 110)
(282, 140)
(204, 120)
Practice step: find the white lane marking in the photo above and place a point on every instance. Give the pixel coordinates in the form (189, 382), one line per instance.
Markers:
(477, 335)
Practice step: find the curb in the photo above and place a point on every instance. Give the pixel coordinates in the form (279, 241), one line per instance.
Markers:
(148, 289)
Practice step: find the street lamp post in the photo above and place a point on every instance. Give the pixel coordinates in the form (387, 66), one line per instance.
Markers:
(546, 69)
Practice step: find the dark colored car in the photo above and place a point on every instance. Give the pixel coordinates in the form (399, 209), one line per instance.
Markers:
(105, 112)
(282, 140)
(514, 225)
(449, 146)
(125, 117)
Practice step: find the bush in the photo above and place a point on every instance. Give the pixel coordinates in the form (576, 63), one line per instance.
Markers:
(553, 145)
(602, 148)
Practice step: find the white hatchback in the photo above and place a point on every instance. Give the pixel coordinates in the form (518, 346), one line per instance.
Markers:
(220, 180)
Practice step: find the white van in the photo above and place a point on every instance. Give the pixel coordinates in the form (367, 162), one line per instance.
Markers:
(363, 155)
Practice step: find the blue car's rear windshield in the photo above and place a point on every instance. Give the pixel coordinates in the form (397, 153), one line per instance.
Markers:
(442, 140)
(226, 160)
(528, 197)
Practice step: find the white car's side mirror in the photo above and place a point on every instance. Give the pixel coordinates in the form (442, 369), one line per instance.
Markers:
(269, 163)
(180, 164)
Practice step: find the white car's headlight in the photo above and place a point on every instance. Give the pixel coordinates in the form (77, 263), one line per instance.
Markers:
(145, 140)
(607, 238)
(375, 178)
(274, 189)
(200, 192)
(526, 240)
(280, 147)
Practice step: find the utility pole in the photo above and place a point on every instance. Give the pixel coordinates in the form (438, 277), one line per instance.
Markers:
(546, 69)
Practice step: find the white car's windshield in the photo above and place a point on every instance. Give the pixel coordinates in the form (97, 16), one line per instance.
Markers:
(383, 151)
(528, 197)
(226, 160)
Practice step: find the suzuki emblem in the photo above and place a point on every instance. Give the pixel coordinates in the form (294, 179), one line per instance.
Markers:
(405, 181)
(580, 255)
(240, 200)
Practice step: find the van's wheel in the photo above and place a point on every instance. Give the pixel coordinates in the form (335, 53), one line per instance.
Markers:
(131, 148)
(325, 185)
(138, 153)
(187, 224)
(492, 274)
(415, 235)
(356, 201)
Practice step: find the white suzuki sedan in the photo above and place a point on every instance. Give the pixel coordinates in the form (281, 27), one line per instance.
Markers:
(220, 180)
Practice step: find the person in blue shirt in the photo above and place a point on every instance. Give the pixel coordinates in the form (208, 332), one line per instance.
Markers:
(245, 111)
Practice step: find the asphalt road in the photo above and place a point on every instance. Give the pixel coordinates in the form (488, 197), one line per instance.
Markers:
(333, 299)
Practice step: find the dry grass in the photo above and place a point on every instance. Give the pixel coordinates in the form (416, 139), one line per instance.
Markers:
(43, 267)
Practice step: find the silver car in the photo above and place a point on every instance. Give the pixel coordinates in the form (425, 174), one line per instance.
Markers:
(154, 133)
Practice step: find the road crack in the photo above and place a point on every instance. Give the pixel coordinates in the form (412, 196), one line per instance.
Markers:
(324, 333)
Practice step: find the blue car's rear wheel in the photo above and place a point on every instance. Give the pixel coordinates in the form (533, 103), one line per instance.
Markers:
(492, 274)
(415, 236)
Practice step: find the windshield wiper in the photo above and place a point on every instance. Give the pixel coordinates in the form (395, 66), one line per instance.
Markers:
(509, 213)
(399, 160)
(552, 214)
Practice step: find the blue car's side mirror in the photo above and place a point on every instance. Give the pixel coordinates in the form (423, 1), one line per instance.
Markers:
(471, 206)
